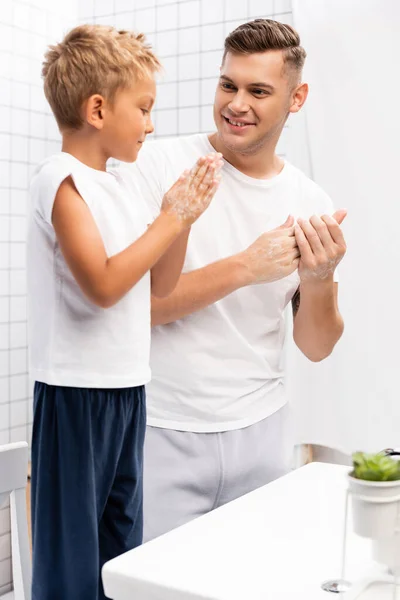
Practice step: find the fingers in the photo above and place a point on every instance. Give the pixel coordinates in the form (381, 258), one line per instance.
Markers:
(212, 174)
(212, 189)
(296, 253)
(292, 255)
(323, 232)
(198, 171)
(340, 215)
(303, 244)
(288, 223)
(334, 229)
(209, 166)
(312, 236)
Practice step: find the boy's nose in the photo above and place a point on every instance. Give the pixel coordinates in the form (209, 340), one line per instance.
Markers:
(150, 127)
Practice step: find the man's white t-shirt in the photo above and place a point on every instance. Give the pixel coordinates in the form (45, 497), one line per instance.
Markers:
(221, 368)
(72, 341)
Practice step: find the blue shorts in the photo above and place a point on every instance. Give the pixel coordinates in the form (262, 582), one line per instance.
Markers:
(87, 486)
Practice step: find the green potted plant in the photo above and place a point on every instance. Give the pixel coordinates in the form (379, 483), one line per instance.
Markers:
(374, 484)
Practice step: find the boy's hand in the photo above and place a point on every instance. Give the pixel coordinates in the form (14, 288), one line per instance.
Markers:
(321, 244)
(192, 193)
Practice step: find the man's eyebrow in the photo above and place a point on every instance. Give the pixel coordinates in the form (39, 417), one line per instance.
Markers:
(255, 84)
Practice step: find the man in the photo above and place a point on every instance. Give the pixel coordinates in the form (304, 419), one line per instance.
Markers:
(217, 420)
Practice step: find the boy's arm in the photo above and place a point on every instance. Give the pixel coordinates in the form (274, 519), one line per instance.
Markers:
(102, 279)
(166, 272)
(150, 174)
(105, 280)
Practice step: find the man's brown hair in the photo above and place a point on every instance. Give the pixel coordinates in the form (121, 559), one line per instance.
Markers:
(262, 35)
(93, 59)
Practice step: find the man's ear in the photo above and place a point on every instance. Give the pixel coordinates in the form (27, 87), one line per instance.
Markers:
(299, 97)
(94, 111)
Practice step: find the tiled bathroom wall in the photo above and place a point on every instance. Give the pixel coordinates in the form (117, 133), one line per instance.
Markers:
(27, 135)
(188, 36)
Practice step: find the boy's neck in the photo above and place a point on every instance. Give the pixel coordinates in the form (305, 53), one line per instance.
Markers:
(263, 164)
(85, 148)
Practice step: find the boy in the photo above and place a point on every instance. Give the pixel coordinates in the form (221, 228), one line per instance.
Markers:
(93, 259)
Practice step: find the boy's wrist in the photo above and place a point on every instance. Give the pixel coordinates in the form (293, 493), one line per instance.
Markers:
(172, 222)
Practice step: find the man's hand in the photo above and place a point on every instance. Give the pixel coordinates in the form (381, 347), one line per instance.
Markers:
(321, 245)
(272, 256)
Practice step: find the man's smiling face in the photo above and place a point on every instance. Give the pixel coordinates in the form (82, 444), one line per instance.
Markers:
(253, 99)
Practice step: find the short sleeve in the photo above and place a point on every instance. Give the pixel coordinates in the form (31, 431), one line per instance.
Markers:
(45, 183)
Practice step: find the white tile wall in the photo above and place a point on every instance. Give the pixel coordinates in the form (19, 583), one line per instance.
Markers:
(27, 134)
(188, 36)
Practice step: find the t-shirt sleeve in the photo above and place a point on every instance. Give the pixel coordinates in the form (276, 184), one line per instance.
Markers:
(45, 184)
(149, 171)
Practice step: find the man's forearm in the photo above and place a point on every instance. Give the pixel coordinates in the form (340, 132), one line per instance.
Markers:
(318, 324)
(198, 289)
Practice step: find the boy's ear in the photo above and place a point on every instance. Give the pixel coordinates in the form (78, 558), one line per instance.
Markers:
(94, 111)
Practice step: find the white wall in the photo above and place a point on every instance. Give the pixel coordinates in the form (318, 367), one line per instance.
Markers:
(27, 134)
(351, 401)
(188, 37)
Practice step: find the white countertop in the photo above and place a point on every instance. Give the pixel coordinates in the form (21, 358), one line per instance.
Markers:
(277, 543)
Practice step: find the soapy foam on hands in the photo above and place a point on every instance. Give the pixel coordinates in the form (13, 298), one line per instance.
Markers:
(193, 191)
(278, 254)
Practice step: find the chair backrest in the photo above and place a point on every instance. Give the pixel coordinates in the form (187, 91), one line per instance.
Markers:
(13, 480)
(13, 468)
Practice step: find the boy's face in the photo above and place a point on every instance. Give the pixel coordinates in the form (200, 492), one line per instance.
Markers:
(253, 98)
(129, 120)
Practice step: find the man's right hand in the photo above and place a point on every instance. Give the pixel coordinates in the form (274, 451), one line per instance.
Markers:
(193, 191)
(272, 256)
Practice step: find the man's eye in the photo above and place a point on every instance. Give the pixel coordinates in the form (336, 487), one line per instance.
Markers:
(145, 111)
(227, 86)
(258, 92)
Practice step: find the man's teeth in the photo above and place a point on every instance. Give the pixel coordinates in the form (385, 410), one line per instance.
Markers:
(237, 124)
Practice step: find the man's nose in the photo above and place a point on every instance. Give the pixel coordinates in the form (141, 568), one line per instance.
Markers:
(238, 104)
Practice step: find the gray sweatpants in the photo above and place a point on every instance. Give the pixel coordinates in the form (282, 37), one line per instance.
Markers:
(189, 474)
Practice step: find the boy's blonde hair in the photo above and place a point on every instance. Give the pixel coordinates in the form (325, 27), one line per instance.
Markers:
(93, 59)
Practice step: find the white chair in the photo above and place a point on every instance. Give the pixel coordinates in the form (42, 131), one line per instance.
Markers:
(13, 481)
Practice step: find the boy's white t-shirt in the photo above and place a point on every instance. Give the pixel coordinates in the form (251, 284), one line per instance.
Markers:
(221, 368)
(72, 341)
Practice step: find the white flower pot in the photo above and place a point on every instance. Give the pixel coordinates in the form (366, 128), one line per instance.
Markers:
(375, 507)
(387, 552)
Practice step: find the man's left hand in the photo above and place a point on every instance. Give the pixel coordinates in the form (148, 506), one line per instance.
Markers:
(321, 244)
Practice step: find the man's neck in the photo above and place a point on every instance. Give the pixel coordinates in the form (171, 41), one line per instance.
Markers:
(263, 164)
